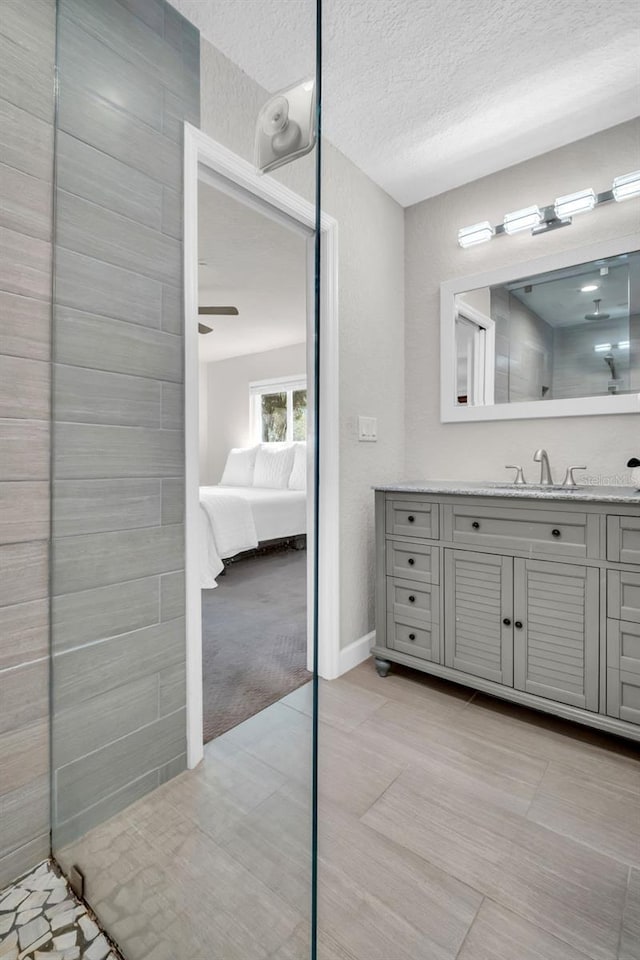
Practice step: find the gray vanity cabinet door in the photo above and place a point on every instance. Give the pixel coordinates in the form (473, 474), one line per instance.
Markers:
(623, 595)
(623, 670)
(556, 648)
(478, 600)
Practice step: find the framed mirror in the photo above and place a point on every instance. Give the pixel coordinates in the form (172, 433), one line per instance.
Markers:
(554, 337)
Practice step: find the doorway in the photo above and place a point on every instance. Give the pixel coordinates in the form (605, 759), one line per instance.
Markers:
(255, 296)
(210, 166)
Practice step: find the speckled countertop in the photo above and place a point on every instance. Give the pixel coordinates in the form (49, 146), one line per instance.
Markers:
(488, 488)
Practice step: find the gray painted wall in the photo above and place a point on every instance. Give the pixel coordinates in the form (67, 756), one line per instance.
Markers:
(128, 75)
(27, 49)
(473, 451)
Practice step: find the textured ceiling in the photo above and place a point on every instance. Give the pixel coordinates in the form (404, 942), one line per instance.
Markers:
(425, 95)
(254, 264)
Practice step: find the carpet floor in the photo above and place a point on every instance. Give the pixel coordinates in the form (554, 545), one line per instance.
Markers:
(254, 638)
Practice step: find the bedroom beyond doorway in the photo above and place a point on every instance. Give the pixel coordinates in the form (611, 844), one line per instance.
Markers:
(253, 291)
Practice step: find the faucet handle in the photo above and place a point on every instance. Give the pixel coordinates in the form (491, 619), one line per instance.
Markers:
(519, 480)
(569, 479)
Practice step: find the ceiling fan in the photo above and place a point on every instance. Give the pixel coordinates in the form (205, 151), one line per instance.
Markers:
(214, 312)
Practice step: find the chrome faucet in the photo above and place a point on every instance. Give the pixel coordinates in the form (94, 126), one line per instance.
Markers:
(542, 457)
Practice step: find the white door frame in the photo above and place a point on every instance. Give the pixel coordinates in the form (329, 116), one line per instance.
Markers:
(199, 149)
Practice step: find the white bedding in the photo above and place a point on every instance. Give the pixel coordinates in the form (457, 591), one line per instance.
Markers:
(234, 519)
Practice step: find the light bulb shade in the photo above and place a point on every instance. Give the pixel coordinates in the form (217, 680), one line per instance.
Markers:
(477, 233)
(602, 347)
(627, 186)
(572, 203)
(522, 219)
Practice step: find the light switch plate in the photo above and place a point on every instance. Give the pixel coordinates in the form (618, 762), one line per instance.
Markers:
(368, 429)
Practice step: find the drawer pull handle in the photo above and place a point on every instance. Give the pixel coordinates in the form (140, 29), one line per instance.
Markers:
(411, 561)
(412, 599)
(555, 533)
(507, 622)
(518, 624)
(412, 636)
(411, 518)
(475, 525)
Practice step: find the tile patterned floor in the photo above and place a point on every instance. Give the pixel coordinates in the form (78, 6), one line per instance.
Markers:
(42, 919)
(453, 827)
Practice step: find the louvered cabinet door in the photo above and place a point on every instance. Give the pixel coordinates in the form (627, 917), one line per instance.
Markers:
(556, 653)
(478, 614)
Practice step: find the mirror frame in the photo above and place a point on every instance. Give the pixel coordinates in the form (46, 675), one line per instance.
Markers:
(450, 412)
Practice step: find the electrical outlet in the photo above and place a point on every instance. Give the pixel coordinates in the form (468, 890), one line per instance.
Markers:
(368, 429)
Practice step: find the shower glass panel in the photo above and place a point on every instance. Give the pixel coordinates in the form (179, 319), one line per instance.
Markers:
(187, 849)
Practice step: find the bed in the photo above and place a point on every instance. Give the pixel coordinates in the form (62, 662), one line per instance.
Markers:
(235, 517)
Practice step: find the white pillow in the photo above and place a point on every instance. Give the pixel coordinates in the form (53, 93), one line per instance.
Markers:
(239, 468)
(298, 478)
(273, 466)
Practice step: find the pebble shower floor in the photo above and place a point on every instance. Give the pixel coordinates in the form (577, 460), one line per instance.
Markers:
(42, 919)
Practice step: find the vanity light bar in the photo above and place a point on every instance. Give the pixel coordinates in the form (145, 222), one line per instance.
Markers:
(522, 220)
(605, 347)
(557, 214)
(478, 233)
(626, 186)
(568, 206)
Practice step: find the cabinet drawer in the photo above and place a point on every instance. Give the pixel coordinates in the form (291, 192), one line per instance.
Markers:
(413, 561)
(623, 670)
(623, 539)
(418, 602)
(416, 641)
(623, 595)
(412, 518)
(547, 532)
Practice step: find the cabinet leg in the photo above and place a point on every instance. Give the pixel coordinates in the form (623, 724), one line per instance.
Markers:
(383, 667)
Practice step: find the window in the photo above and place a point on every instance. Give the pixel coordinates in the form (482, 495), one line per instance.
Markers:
(279, 410)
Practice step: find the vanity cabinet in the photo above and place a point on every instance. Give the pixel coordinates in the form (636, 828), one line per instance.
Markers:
(535, 601)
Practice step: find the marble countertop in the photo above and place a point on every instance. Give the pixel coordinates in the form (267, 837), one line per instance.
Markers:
(489, 488)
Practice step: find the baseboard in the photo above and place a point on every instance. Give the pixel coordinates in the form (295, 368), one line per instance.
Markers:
(356, 652)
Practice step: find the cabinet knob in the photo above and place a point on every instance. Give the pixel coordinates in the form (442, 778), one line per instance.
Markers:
(411, 561)
(412, 636)
(412, 599)
(518, 624)
(507, 622)
(411, 518)
(475, 525)
(555, 533)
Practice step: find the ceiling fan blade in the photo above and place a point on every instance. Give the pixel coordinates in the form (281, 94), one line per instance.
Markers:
(218, 311)
(202, 328)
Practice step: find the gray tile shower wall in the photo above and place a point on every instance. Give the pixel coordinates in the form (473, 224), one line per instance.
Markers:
(129, 74)
(27, 53)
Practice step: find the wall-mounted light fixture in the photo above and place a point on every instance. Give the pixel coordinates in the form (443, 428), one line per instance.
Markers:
(477, 233)
(607, 347)
(519, 220)
(554, 215)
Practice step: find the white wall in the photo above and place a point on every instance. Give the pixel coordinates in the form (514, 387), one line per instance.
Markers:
(473, 451)
(224, 415)
(371, 292)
